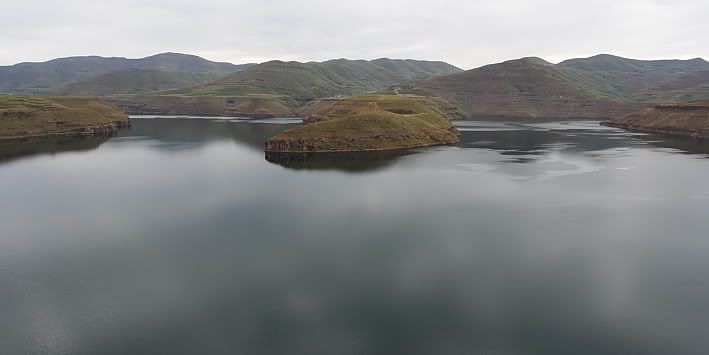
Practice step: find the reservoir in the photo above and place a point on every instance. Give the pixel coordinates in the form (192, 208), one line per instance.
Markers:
(180, 235)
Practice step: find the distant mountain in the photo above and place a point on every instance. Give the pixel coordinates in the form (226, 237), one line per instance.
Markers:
(597, 87)
(302, 82)
(623, 78)
(46, 76)
(528, 87)
(134, 81)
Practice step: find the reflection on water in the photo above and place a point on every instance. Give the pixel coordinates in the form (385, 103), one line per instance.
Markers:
(19, 148)
(177, 236)
(349, 162)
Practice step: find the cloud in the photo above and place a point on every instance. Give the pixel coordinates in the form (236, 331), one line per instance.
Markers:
(465, 33)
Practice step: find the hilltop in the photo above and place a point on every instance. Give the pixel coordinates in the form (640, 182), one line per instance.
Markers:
(45, 77)
(35, 116)
(369, 123)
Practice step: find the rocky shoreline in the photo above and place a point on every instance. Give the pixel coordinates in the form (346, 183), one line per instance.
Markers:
(687, 120)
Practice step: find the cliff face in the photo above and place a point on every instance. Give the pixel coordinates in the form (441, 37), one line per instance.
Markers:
(369, 123)
(35, 116)
(685, 120)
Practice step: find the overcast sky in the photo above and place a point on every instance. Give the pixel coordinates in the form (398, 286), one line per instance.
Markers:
(465, 33)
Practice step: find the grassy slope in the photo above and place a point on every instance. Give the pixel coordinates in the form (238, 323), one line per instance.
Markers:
(23, 116)
(528, 87)
(681, 88)
(133, 81)
(280, 88)
(301, 82)
(366, 123)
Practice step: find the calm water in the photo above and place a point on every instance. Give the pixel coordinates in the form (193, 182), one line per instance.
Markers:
(179, 236)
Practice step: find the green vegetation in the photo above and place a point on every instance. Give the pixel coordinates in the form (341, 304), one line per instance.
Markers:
(278, 89)
(297, 83)
(628, 79)
(133, 81)
(368, 123)
(33, 116)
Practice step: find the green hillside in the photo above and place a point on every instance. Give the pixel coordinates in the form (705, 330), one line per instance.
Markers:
(624, 78)
(289, 85)
(528, 87)
(134, 81)
(300, 82)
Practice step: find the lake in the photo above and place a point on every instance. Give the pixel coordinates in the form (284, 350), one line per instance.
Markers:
(181, 236)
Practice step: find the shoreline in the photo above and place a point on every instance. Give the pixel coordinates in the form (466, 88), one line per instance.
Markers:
(661, 131)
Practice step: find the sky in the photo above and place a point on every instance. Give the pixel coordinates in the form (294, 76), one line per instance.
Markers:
(468, 34)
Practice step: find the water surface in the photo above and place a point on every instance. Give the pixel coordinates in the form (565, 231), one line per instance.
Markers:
(181, 236)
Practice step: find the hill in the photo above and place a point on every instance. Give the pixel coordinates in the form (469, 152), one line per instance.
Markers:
(368, 123)
(528, 87)
(686, 87)
(286, 86)
(46, 76)
(624, 78)
(301, 82)
(34, 116)
(133, 81)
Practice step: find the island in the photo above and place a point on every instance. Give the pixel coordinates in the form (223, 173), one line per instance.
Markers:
(371, 123)
(680, 119)
(39, 116)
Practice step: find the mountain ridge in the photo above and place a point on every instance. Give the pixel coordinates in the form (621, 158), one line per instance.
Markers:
(44, 77)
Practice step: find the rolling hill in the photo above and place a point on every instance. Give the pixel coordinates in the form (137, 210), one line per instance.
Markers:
(597, 87)
(624, 78)
(279, 88)
(301, 82)
(47, 76)
(134, 81)
(528, 87)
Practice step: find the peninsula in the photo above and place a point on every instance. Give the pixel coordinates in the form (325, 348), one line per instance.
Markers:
(371, 123)
(690, 120)
(38, 116)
